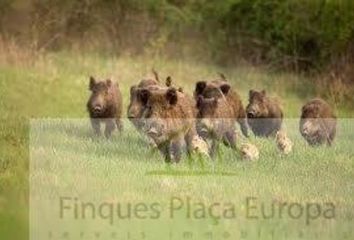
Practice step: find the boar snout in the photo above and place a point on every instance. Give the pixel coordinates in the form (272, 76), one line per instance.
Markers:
(206, 123)
(97, 109)
(251, 114)
(305, 130)
(154, 128)
(132, 113)
(97, 104)
(308, 128)
(253, 110)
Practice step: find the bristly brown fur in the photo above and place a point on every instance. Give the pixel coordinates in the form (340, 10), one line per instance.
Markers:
(215, 123)
(221, 89)
(135, 107)
(264, 115)
(105, 104)
(170, 120)
(318, 122)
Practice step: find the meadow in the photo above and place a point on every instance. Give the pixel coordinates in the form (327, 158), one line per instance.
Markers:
(44, 117)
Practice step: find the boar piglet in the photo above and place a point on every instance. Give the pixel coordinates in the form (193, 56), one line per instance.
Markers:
(215, 123)
(264, 114)
(169, 119)
(105, 105)
(318, 122)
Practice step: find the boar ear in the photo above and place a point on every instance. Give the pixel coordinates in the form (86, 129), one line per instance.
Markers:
(92, 83)
(144, 96)
(199, 87)
(225, 88)
(171, 96)
(251, 93)
(263, 92)
(109, 82)
(200, 101)
(168, 81)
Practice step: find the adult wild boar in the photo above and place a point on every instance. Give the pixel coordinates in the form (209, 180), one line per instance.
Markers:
(219, 89)
(215, 122)
(264, 114)
(318, 122)
(169, 119)
(105, 105)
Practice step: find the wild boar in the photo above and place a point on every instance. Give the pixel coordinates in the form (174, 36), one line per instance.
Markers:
(215, 122)
(318, 123)
(264, 114)
(169, 119)
(221, 88)
(105, 105)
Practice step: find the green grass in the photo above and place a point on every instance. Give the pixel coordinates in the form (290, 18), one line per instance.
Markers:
(56, 86)
(126, 170)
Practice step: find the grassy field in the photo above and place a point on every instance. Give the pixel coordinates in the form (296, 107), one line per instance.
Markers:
(56, 86)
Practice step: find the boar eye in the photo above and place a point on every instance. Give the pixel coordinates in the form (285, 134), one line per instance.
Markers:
(95, 90)
(144, 96)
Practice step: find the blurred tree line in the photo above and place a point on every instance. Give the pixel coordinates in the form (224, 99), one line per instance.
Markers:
(290, 34)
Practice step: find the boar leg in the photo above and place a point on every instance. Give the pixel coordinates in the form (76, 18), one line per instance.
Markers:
(276, 126)
(164, 148)
(176, 149)
(243, 126)
(331, 137)
(109, 128)
(214, 148)
(230, 138)
(95, 123)
(189, 140)
(119, 124)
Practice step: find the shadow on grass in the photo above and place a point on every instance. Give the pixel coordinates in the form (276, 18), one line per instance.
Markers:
(189, 173)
